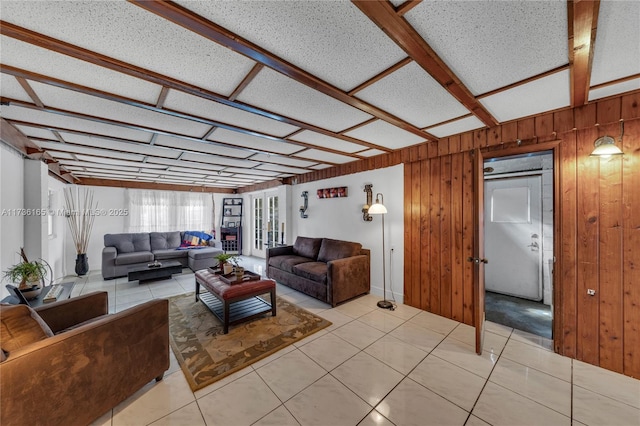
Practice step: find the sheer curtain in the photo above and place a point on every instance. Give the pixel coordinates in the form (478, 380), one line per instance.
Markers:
(164, 211)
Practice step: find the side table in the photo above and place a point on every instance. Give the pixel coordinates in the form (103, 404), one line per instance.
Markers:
(67, 288)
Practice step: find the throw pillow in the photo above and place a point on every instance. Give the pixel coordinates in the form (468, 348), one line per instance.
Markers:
(20, 326)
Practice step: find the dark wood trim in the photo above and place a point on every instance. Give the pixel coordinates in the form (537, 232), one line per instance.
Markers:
(380, 76)
(245, 81)
(407, 6)
(617, 81)
(201, 26)
(583, 23)
(58, 46)
(525, 81)
(163, 97)
(151, 185)
(64, 145)
(32, 94)
(399, 30)
(449, 121)
(178, 114)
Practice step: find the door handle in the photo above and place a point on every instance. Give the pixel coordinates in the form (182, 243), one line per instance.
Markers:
(476, 260)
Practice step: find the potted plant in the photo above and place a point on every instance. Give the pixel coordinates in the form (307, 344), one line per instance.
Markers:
(81, 212)
(239, 270)
(224, 260)
(28, 275)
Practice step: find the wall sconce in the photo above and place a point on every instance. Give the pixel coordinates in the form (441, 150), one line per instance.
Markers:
(303, 209)
(365, 209)
(606, 145)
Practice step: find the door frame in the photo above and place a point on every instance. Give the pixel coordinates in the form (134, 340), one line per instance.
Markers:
(487, 153)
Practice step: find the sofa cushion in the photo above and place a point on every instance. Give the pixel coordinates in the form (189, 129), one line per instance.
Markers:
(169, 254)
(204, 253)
(136, 257)
(336, 249)
(287, 262)
(128, 243)
(20, 326)
(307, 247)
(314, 271)
(164, 240)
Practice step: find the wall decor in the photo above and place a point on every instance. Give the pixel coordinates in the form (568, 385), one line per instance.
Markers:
(365, 209)
(303, 209)
(338, 192)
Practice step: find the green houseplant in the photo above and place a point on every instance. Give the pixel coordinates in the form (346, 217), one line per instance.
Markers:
(28, 275)
(224, 261)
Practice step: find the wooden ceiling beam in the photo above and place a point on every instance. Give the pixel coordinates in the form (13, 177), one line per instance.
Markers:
(16, 102)
(205, 28)
(64, 48)
(583, 23)
(151, 185)
(65, 147)
(382, 13)
(28, 75)
(10, 135)
(245, 81)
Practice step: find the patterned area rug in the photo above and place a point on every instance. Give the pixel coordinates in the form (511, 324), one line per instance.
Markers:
(207, 355)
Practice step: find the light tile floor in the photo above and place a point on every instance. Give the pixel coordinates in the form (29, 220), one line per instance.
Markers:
(374, 367)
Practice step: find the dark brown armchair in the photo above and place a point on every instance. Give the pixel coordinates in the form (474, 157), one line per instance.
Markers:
(69, 362)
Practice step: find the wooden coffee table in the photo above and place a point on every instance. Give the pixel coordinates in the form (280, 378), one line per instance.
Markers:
(145, 273)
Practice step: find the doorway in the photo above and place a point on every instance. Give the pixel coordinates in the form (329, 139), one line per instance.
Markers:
(265, 215)
(518, 241)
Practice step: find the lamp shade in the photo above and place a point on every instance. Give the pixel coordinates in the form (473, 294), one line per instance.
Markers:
(377, 208)
(605, 147)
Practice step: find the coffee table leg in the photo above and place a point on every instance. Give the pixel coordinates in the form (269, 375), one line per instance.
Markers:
(273, 302)
(225, 315)
(197, 289)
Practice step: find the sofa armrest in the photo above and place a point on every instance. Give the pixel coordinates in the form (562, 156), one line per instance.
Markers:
(63, 314)
(277, 251)
(347, 278)
(216, 244)
(76, 376)
(109, 253)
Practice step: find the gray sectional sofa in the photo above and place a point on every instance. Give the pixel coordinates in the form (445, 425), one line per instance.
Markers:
(333, 271)
(123, 251)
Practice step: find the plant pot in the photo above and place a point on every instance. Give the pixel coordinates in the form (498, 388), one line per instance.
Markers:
(82, 264)
(227, 268)
(239, 271)
(31, 291)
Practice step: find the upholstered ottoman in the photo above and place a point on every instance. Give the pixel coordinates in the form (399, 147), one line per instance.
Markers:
(235, 303)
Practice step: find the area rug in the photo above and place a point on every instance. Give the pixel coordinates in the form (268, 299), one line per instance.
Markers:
(206, 354)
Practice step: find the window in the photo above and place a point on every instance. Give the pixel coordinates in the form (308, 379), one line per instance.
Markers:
(164, 211)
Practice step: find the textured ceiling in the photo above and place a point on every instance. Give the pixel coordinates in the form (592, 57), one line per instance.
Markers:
(226, 94)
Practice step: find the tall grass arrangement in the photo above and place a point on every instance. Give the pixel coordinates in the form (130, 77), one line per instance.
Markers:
(80, 213)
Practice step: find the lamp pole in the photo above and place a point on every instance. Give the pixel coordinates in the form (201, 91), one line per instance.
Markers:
(379, 208)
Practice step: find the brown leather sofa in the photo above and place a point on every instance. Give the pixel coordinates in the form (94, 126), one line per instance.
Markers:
(69, 362)
(333, 271)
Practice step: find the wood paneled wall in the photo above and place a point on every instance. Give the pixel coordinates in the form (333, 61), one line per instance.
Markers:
(597, 237)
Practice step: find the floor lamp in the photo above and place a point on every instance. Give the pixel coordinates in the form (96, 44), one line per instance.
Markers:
(379, 208)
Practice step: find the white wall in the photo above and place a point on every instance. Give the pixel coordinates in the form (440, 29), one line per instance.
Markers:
(109, 199)
(57, 255)
(341, 218)
(11, 197)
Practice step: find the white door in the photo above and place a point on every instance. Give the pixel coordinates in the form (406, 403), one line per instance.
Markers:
(265, 227)
(513, 236)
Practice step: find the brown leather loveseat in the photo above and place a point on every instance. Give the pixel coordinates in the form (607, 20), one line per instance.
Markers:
(69, 362)
(333, 271)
